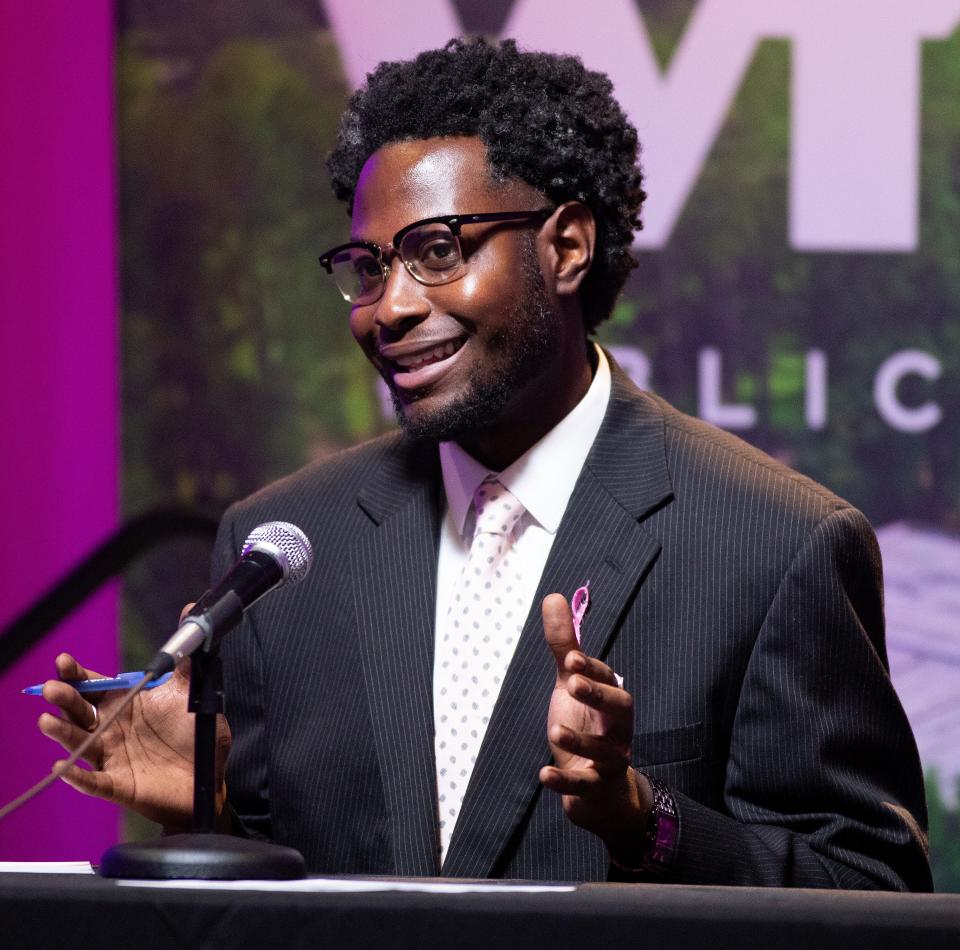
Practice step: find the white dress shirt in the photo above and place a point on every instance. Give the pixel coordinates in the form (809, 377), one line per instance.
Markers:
(542, 479)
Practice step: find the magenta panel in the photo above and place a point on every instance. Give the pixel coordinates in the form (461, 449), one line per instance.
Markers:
(59, 378)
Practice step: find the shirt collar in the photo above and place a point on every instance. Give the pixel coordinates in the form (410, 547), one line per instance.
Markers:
(544, 476)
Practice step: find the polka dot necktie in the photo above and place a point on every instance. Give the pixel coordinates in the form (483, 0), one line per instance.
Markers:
(475, 645)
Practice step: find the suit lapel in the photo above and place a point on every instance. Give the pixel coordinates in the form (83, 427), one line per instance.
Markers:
(394, 577)
(601, 540)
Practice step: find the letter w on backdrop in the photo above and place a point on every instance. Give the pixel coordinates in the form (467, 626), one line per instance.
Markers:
(855, 95)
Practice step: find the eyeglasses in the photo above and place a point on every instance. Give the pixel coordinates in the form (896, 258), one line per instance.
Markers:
(430, 251)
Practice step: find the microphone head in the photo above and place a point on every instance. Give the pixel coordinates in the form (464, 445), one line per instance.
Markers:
(287, 544)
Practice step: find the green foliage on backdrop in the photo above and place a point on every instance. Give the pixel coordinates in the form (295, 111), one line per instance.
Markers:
(238, 364)
(237, 361)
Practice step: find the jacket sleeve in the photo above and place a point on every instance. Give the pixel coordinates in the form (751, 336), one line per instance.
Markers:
(823, 784)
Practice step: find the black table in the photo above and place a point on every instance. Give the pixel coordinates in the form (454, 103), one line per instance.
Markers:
(64, 911)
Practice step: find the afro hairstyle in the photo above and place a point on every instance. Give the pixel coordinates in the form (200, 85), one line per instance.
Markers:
(545, 119)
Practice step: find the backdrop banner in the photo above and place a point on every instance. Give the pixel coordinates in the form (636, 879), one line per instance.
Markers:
(798, 282)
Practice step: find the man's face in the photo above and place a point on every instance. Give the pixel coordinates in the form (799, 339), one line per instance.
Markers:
(465, 356)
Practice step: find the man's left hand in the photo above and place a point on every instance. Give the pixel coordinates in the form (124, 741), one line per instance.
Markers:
(590, 731)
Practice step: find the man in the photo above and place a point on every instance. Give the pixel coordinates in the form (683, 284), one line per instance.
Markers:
(729, 718)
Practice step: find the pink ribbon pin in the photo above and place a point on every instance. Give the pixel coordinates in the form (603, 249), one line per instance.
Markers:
(579, 604)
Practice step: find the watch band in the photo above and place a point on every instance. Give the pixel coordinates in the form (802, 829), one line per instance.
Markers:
(663, 831)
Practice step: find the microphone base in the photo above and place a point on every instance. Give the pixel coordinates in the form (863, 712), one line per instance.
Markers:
(205, 857)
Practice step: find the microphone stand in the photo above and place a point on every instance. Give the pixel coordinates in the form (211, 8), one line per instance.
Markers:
(203, 854)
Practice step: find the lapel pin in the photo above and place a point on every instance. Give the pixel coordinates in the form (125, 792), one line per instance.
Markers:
(579, 604)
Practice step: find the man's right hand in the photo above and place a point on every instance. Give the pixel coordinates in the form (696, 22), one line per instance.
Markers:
(144, 761)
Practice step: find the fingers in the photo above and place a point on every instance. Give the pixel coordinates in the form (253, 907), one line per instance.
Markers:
(98, 784)
(577, 662)
(186, 610)
(606, 751)
(579, 782)
(70, 736)
(558, 628)
(69, 669)
(70, 702)
(60, 693)
(603, 697)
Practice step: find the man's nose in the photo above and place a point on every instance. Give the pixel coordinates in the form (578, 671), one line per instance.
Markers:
(404, 299)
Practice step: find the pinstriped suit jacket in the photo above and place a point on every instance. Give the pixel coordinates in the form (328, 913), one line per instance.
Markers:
(740, 601)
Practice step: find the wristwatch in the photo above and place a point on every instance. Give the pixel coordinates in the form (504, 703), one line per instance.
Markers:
(662, 832)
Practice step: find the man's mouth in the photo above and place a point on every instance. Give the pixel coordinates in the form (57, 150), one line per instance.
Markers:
(416, 360)
(414, 367)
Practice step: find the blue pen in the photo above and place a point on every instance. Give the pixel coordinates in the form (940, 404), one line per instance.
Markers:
(122, 681)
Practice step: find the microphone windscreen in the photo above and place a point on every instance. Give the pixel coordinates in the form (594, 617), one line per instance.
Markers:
(287, 543)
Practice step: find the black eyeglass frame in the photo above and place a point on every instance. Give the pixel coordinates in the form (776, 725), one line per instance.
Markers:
(453, 221)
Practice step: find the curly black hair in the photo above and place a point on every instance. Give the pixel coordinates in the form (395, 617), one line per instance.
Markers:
(545, 119)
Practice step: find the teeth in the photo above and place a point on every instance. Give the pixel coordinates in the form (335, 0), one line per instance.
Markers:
(420, 359)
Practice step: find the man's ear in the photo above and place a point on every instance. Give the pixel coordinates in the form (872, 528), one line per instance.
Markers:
(572, 235)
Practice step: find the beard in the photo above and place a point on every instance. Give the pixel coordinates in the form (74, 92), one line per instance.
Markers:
(523, 346)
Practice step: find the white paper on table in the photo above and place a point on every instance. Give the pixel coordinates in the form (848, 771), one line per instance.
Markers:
(326, 885)
(46, 867)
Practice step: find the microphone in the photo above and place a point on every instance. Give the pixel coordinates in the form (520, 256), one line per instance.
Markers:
(274, 555)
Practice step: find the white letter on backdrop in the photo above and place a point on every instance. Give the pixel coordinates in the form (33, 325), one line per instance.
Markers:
(895, 413)
(712, 408)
